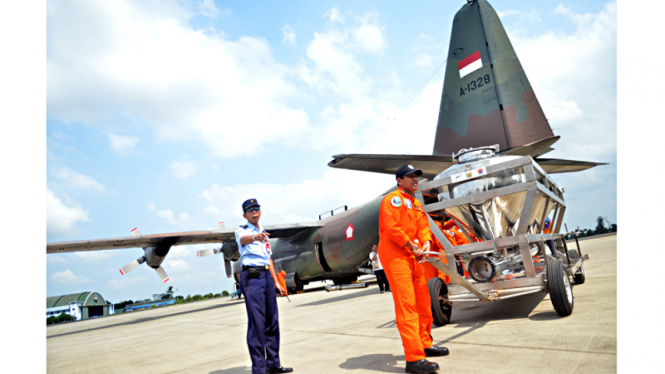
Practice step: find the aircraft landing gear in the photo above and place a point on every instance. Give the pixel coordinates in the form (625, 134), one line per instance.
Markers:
(347, 280)
(299, 285)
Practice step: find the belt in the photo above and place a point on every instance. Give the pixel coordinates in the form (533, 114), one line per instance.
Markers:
(264, 267)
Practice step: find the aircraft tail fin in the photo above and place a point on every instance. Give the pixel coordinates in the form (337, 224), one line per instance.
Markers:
(487, 98)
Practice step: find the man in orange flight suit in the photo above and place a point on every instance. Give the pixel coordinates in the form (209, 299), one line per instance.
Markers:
(402, 229)
(431, 271)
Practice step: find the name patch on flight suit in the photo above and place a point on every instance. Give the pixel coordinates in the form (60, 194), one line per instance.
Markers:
(396, 201)
(407, 202)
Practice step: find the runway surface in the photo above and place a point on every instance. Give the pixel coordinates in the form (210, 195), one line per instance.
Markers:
(353, 331)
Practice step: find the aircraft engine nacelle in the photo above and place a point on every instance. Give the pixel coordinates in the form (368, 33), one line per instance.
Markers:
(153, 257)
(230, 251)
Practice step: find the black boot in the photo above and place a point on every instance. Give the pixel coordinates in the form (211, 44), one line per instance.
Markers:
(421, 367)
(436, 351)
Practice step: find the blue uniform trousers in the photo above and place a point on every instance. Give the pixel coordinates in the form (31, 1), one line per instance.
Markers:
(263, 321)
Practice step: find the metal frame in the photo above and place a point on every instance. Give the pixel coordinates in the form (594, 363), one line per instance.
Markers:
(530, 281)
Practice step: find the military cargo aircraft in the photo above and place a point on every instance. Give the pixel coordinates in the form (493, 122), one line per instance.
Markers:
(486, 99)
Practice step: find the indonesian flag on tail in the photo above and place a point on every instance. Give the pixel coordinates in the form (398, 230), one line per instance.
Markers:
(470, 64)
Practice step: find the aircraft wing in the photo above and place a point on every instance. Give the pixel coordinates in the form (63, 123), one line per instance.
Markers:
(388, 164)
(190, 237)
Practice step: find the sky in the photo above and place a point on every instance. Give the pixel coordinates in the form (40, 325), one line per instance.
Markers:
(166, 115)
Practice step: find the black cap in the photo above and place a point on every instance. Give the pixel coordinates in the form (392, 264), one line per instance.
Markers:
(407, 170)
(249, 203)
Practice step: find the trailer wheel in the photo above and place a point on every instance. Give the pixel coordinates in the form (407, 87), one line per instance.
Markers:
(579, 276)
(561, 293)
(442, 307)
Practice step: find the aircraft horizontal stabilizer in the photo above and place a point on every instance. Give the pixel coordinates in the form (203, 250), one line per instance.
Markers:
(388, 164)
(434, 165)
(555, 165)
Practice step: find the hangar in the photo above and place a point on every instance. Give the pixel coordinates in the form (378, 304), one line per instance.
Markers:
(82, 305)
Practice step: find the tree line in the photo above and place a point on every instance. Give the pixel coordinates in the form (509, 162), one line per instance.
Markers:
(603, 226)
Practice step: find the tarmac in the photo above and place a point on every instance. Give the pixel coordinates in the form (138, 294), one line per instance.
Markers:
(353, 331)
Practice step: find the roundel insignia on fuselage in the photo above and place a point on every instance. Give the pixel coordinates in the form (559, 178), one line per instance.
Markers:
(396, 201)
(407, 202)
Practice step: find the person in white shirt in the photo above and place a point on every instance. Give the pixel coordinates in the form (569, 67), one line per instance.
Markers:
(378, 270)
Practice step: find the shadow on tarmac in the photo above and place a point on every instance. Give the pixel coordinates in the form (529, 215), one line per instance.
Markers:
(236, 370)
(384, 363)
(347, 296)
(148, 319)
(470, 313)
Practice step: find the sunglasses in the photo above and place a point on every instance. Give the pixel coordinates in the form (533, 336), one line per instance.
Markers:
(253, 209)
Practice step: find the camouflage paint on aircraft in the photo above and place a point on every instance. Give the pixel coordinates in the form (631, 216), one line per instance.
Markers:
(493, 104)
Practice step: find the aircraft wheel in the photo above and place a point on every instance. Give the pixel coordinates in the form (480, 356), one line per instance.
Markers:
(561, 292)
(442, 307)
(579, 276)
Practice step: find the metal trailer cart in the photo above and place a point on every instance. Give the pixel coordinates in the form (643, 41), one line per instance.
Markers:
(504, 201)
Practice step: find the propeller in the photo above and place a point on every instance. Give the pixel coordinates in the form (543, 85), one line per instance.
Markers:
(208, 252)
(162, 274)
(227, 266)
(152, 255)
(214, 251)
(132, 265)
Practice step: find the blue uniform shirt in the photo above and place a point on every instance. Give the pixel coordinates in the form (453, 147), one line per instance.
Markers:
(256, 253)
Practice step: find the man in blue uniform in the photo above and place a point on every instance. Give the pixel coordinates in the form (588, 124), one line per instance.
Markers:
(257, 282)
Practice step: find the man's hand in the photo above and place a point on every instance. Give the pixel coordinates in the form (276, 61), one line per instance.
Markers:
(427, 246)
(281, 289)
(262, 237)
(411, 246)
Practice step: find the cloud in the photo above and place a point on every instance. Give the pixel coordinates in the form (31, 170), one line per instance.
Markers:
(123, 145)
(168, 216)
(561, 9)
(207, 8)
(178, 266)
(77, 180)
(61, 218)
(289, 35)
(335, 16)
(113, 63)
(183, 169)
(128, 280)
(68, 277)
(424, 60)
(180, 251)
(369, 35)
(506, 13)
(560, 66)
(298, 202)
(94, 256)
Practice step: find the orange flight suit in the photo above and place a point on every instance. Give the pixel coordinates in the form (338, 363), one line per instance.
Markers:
(281, 277)
(401, 218)
(431, 271)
